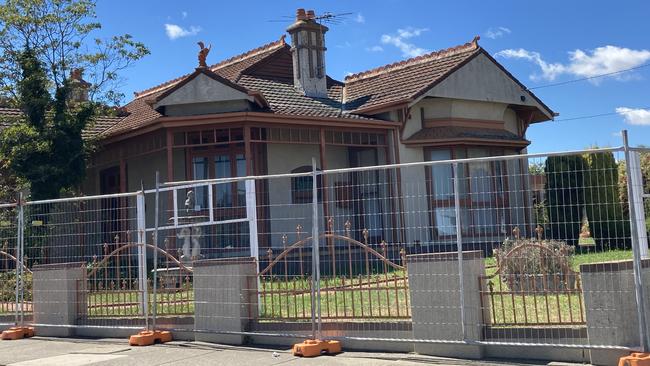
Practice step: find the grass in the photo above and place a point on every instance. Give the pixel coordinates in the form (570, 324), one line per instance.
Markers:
(537, 308)
(126, 303)
(378, 296)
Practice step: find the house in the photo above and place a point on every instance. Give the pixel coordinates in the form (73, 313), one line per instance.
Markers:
(273, 108)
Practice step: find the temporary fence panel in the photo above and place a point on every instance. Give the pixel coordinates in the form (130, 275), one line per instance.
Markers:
(289, 208)
(10, 288)
(465, 248)
(477, 250)
(86, 254)
(206, 228)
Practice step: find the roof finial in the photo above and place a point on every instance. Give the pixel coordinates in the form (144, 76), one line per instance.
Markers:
(203, 54)
(475, 41)
(282, 39)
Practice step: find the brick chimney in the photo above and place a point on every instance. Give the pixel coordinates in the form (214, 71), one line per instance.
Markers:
(78, 87)
(308, 50)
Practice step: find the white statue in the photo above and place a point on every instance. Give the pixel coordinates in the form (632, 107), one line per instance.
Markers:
(191, 238)
(196, 248)
(186, 236)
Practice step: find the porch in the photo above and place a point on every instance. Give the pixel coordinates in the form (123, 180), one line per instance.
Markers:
(210, 151)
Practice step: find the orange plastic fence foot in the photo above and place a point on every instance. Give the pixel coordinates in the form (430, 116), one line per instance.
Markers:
(150, 337)
(14, 333)
(316, 347)
(635, 359)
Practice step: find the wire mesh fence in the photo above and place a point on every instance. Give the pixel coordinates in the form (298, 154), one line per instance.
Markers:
(465, 248)
(97, 239)
(8, 262)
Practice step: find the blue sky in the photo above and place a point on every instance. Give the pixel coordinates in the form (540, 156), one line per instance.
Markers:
(541, 43)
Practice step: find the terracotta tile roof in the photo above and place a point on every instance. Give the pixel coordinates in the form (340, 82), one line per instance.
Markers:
(268, 70)
(98, 125)
(284, 98)
(230, 68)
(402, 81)
(7, 116)
(432, 134)
(140, 112)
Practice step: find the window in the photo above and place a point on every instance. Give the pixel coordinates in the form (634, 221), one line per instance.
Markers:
(229, 198)
(302, 187)
(200, 171)
(482, 187)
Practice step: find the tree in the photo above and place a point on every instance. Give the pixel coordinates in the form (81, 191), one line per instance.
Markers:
(41, 43)
(59, 33)
(644, 158)
(602, 203)
(584, 191)
(564, 182)
(45, 147)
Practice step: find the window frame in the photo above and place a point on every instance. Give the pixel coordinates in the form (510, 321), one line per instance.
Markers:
(303, 197)
(232, 151)
(466, 201)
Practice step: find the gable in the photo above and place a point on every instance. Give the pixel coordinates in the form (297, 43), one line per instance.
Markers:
(202, 89)
(482, 79)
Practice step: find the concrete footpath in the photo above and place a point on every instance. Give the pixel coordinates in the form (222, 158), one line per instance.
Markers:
(77, 352)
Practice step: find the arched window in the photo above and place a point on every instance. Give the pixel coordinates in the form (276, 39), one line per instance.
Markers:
(302, 187)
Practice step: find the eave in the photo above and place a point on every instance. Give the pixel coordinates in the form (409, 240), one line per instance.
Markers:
(251, 117)
(466, 141)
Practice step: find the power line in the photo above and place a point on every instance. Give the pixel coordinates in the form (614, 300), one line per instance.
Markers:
(589, 77)
(592, 116)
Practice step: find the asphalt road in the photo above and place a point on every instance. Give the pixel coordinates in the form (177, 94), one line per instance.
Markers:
(77, 352)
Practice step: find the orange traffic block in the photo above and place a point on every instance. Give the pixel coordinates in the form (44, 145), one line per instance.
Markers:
(150, 337)
(635, 359)
(316, 347)
(14, 333)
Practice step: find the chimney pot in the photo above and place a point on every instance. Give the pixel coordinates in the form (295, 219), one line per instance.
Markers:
(300, 14)
(79, 87)
(311, 14)
(76, 74)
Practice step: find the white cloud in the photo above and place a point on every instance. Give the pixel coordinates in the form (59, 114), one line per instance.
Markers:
(549, 71)
(497, 32)
(398, 40)
(375, 49)
(360, 18)
(590, 63)
(184, 14)
(175, 31)
(635, 116)
(411, 32)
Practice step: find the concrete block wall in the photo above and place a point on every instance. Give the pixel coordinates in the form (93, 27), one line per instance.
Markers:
(611, 307)
(434, 285)
(60, 298)
(225, 299)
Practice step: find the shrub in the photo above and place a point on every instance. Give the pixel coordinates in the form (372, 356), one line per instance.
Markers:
(8, 287)
(536, 265)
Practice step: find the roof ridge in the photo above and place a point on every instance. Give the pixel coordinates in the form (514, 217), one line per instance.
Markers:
(469, 46)
(250, 53)
(229, 61)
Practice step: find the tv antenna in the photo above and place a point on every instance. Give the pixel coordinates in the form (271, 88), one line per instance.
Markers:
(327, 17)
